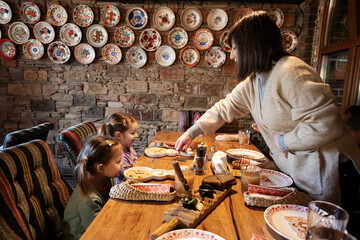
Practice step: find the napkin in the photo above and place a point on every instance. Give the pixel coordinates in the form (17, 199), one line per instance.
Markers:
(219, 161)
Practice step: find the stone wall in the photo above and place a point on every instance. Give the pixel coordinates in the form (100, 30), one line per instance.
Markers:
(33, 91)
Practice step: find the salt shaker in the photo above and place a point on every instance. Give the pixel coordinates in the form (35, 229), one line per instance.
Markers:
(211, 153)
(200, 163)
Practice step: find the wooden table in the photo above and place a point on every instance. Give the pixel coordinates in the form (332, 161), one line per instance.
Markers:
(231, 219)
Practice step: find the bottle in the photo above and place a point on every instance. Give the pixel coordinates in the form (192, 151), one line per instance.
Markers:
(211, 153)
(200, 160)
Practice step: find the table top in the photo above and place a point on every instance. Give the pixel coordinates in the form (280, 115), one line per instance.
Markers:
(231, 219)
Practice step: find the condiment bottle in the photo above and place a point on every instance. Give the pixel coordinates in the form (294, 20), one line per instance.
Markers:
(200, 163)
(211, 153)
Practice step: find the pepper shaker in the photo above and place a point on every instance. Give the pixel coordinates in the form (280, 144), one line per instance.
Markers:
(200, 158)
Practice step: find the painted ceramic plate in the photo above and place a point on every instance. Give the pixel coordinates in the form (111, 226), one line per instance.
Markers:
(289, 40)
(5, 13)
(136, 18)
(165, 55)
(84, 53)
(58, 52)
(97, 35)
(178, 38)
(243, 12)
(238, 153)
(33, 49)
(189, 56)
(19, 33)
(70, 34)
(215, 57)
(30, 12)
(111, 53)
(0, 34)
(110, 15)
(44, 32)
(189, 234)
(83, 15)
(288, 220)
(164, 19)
(7, 49)
(150, 39)
(203, 39)
(124, 36)
(57, 15)
(272, 178)
(136, 57)
(217, 19)
(224, 41)
(277, 16)
(191, 18)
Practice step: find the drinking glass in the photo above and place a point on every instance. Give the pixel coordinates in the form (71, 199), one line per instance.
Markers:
(244, 137)
(323, 233)
(179, 187)
(249, 174)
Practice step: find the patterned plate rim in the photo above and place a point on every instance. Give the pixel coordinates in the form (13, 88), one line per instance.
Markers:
(197, 25)
(131, 33)
(49, 14)
(171, 23)
(88, 31)
(193, 233)
(127, 18)
(103, 53)
(222, 41)
(2, 54)
(26, 53)
(197, 54)
(136, 49)
(171, 42)
(66, 48)
(217, 49)
(36, 29)
(102, 17)
(211, 39)
(10, 32)
(77, 20)
(293, 42)
(156, 33)
(23, 16)
(62, 37)
(286, 178)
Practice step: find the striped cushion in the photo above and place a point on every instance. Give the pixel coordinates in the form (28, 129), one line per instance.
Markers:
(188, 118)
(75, 136)
(32, 193)
(25, 135)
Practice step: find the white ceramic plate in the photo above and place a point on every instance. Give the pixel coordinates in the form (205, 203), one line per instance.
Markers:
(191, 18)
(165, 55)
(189, 56)
(30, 12)
(289, 40)
(84, 53)
(247, 153)
(58, 52)
(111, 53)
(124, 36)
(215, 57)
(83, 15)
(164, 19)
(277, 16)
(178, 38)
(97, 35)
(189, 234)
(136, 57)
(217, 19)
(5, 13)
(44, 32)
(70, 34)
(150, 39)
(33, 49)
(272, 178)
(110, 15)
(203, 39)
(288, 220)
(136, 18)
(57, 15)
(224, 41)
(19, 33)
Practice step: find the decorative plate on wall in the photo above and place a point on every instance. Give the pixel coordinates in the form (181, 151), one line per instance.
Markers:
(164, 19)
(124, 36)
(70, 34)
(110, 15)
(30, 12)
(150, 39)
(5, 13)
(243, 12)
(97, 35)
(57, 15)
(84, 53)
(289, 40)
(165, 55)
(0, 34)
(217, 19)
(111, 53)
(215, 57)
(136, 57)
(178, 38)
(189, 56)
(83, 15)
(44, 32)
(191, 18)
(33, 49)
(277, 16)
(136, 18)
(58, 52)
(224, 41)
(18, 32)
(203, 39)
(7, 49)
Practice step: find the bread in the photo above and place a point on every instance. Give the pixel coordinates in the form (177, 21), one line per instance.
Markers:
(220, 181)
(225, 137)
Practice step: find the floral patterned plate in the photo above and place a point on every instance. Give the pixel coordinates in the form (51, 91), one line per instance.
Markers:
(57, 15)
(7, 49)
(289, 40)
(277, 15)
(111, 53)
(165, 55)
(97, 35)
(30, 12)
(19, 33)
(189, 56)
(178, 38)
(136, 18)
(189, 234)
(83, 15)
(58, 52)
(224, 41)
(203, 39)
(33, 49)
(44, 32)
(215, 57)
(124, 36)
(150, 39)
(70, 34)
(164, 19)
(5, 13)
(191, 18)
(243, 12)
(110, 15)
(84, 53)
(217, 19)
(136, 57)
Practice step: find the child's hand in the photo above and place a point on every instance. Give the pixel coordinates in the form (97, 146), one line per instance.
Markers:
(183, 142)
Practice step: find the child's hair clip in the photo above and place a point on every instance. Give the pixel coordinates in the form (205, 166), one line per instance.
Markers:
(109, 143)
(124, 122)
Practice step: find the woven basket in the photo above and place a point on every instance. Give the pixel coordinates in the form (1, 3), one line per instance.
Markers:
(295, 197)
(125, 191)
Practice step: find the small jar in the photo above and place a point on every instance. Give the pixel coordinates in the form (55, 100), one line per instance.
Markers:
(211, 153)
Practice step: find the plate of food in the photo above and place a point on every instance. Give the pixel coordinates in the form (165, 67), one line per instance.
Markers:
(44, 32)
(217, 19)
(164, 19)
(150, 39)
(165, 55)
(157, 152)
(289, 40)
(110, 15)
(189, 234)
(191, 18)
(136, 18)
(227, 137)
(272, 178)
(124, 36)
(57, 15)
(178, 38)
(30, 12)
(83, 15)
(189, 56)
(144, 174)
(215, 57)
(84, 53)
(70, 34)
(203, 39)
(5, 13)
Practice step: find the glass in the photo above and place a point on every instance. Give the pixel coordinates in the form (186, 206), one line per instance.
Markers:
(338, 22)
(249, 175)
(244, 137)
(179, 187)
(322, 233)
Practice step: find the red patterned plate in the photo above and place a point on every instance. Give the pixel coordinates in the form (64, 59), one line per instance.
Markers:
(189, 234)
(224, 41)
(189, 56)
(289, 40)
(110, 15)
(203, 39)
(150, 39)
(30, 12)
(277, 16)
(7, 49)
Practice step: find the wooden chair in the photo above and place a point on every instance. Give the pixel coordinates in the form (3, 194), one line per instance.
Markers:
(33, 195)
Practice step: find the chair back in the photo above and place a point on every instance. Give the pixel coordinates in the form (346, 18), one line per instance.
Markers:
(25, 135)
(188, 118)
(75, 136)
(33, 195)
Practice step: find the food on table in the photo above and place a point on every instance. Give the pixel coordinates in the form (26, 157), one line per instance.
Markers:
(138, 173)
(227, 137)
(220, 181)
(156, 150)
(189, 202)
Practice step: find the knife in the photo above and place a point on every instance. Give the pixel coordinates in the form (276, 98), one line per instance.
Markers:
(181, 177)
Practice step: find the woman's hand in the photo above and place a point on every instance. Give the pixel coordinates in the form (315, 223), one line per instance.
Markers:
(255, 127)
(276, 139)
(183, 142)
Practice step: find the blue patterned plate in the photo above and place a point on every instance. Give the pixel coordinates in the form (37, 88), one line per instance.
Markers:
(136, 18)
(165, 55)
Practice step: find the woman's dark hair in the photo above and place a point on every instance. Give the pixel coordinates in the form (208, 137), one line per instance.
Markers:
(259, 44)
(351, 116)
(117, 122)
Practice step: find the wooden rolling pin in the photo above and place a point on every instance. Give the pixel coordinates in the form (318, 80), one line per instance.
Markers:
(166, 227)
